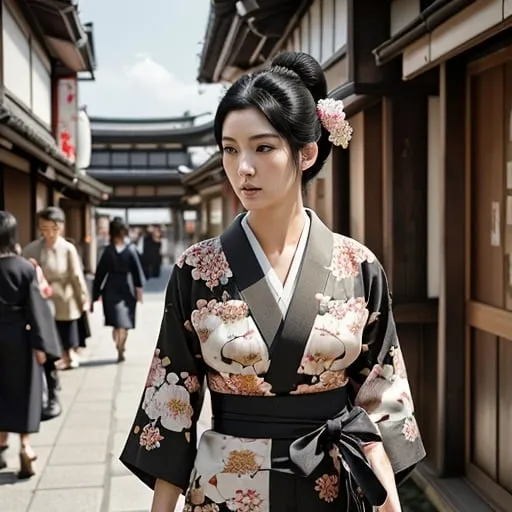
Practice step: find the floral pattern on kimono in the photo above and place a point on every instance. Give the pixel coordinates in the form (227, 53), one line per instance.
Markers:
(214, 330)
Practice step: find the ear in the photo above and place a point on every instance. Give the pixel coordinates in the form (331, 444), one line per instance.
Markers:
(308, 155)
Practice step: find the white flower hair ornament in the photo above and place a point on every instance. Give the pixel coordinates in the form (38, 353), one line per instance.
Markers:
(332, 116)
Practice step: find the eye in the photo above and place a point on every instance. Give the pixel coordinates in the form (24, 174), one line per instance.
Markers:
(264, 148)
(228, 149)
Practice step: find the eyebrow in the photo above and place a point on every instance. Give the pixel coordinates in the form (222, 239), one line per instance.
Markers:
(255, 137)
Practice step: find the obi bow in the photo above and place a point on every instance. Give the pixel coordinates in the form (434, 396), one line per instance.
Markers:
(347, 432)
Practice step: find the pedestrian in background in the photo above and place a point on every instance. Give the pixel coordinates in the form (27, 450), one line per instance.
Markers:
(62, 268)
(118, 281)
(23, 323)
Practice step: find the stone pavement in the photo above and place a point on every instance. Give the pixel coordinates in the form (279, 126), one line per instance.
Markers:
(77, 466)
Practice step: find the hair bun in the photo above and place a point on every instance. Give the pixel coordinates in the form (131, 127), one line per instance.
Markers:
(307, 68)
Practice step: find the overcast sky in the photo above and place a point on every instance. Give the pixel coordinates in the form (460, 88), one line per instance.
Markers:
(147, 58)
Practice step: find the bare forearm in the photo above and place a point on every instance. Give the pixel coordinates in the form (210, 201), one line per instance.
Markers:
(165, 497)
(382, 467)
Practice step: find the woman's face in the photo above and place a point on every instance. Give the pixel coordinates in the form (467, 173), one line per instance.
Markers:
(258, 161)
(50, 230)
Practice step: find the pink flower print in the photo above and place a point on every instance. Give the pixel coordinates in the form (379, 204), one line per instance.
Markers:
(327, 487)
(150, 437)
(246, 500)
(208, 261)
(347, 256)
(156, 375)
(191, 382)
(410, 429)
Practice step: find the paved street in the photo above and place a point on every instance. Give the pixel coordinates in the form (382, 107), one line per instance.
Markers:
(77, 462)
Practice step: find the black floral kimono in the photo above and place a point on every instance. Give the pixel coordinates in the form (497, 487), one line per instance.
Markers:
(295, 396)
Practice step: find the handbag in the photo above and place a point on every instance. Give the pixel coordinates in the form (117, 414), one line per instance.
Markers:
(84, 328)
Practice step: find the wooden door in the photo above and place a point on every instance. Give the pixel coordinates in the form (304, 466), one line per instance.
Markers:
(489, 306)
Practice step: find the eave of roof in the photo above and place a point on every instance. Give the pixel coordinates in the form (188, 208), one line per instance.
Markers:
(430, 18)
(201, 135)
(25, 132)
(143, 176)
(59, 23)
(220, 18)
(212, 165)
(234, 41)
(144, 120)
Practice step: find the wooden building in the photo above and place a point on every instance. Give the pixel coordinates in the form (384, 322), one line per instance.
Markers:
(44, 49)
(144, 161)
(427, 184)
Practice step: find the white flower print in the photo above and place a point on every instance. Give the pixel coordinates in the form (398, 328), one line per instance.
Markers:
(336, 337)
(230, 340)
(227, 465)
(170, 403)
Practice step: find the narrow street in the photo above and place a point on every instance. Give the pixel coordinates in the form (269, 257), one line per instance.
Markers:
(77, 452)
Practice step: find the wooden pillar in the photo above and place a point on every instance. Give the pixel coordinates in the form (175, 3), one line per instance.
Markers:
(373, 200)
(33, 199)
(341, 191)
(2, 188)
(451, 334)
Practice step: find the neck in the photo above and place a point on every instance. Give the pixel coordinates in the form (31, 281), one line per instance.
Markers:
(278, 227)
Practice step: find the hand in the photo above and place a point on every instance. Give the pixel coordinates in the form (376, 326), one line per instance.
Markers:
(40, 357)
(85, 306)
(139, 295)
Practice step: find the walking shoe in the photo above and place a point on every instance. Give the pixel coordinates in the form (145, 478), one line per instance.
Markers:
(52, 409)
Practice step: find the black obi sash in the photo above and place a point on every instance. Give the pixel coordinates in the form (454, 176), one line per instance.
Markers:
(313, 423)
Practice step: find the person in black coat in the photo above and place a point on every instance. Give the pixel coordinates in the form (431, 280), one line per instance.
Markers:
(118, 281)
(23, 328)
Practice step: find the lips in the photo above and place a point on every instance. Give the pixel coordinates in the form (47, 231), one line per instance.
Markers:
(249, 188)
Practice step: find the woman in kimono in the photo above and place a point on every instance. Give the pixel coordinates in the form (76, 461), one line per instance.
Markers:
(23, 322)
(289, 324)
(118, 281)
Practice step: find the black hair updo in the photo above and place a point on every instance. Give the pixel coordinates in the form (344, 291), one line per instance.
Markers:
(286, 93)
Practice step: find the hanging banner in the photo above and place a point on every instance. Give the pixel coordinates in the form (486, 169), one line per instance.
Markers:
(67, 117)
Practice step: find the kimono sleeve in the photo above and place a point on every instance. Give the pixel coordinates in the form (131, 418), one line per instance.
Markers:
(163, 439)
(380, 379)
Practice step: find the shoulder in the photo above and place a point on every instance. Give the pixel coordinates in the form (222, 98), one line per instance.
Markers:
(206, 250)
(348, 255)
(67, 245)
(23, 267)
(206, 262)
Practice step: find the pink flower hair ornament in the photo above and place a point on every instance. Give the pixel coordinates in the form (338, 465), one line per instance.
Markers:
(332, 116)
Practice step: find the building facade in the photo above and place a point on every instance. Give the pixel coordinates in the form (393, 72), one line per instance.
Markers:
(425, 183)
(145, 162)
(43, 50)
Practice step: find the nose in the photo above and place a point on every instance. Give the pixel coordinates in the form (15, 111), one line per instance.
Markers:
(245, 167)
